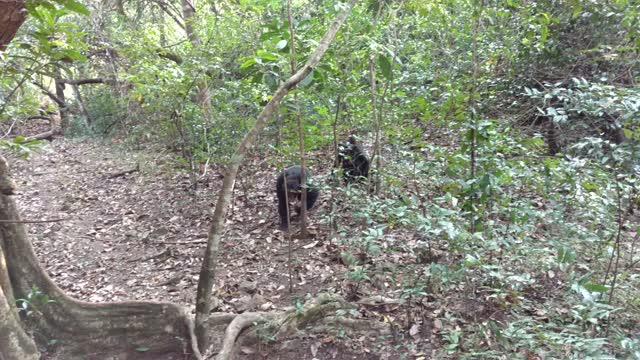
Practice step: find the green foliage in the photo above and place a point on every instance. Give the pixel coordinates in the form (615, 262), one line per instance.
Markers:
(70, 5)
(34, 303)
(266, 331)
(21, 146)
(533, 278)
(108, 114)
(58, 39)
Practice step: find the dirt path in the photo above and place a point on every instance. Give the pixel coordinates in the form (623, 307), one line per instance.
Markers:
(110, 224)
(141, 235)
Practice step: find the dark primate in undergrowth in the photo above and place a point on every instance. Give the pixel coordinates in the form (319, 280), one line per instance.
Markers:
(353, 160)
(293, 175)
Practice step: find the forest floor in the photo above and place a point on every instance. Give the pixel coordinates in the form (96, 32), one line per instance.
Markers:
(140, 235)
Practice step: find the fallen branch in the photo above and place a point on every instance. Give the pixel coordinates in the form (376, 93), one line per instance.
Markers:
(124, 172)
(380, 300)
(55, 172)
(39, 117)
(88, 81)
(31, 221)
(9, 130)
(153, 256)
(204, 241)
(171, 280)
(47, 135)
(51, 95)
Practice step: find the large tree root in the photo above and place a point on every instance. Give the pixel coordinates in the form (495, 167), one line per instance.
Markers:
(320, 310)
(140, 330)
(127, 330)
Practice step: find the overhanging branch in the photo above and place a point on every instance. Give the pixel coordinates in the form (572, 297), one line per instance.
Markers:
(51, 95)
(88, 81)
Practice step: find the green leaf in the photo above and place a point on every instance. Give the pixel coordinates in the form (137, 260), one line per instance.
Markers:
(70, 55)
(566, 255)
(257, 78)
(348, 258)
(589, 186)
(248, 64)
(268, 35)
(385, 66)
(484, 182)
(282, 44)
(142, 349)
(266, 56)
(76, 7)
(596, 288)
(307, 80)
(270, 80)
(319, 77)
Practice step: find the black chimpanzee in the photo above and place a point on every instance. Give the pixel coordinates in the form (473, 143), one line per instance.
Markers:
(294, 191)
(353, 160)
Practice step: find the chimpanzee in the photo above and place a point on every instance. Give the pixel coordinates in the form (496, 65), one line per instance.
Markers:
(353, 160)
(294, 191)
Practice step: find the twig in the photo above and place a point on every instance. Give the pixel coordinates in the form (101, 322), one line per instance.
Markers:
(31, 221)
(124, 172)
(153, 256)
(171, 281)
(10, 128)
(184, 242)
(56, 172)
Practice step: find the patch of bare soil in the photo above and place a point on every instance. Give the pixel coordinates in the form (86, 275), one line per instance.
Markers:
(131, 228)
(306, 347)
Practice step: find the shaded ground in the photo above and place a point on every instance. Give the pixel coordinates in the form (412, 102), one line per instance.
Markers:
(141, 236)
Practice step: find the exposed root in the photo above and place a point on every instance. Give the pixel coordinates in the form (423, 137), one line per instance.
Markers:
(319, 310)
(313, 311)
(380, 300)
(234, 329)
(133, 329)
(360, 325)
(220, 318)
(191, 327)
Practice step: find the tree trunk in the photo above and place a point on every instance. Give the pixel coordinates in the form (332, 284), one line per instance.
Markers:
(142, 330)
(204, 96)
(377, 151)
(12, 15)
(14, 342)
(552, 137)
(303, 163)
(83, 108)
(209, 263)
(63, 108)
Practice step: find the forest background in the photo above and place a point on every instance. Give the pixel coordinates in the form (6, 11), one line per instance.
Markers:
(500, 217)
